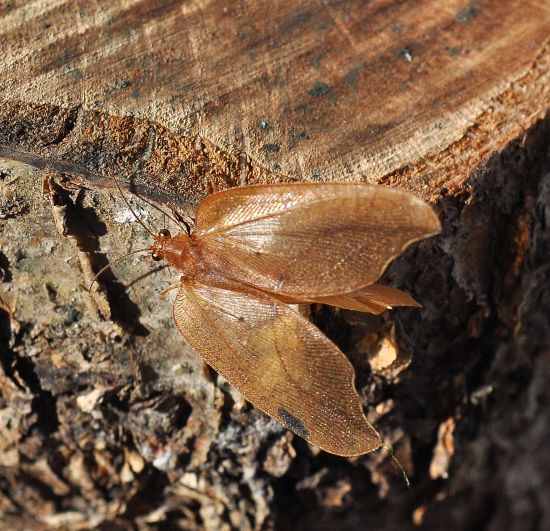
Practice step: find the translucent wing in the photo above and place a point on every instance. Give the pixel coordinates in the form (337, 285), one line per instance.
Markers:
(279, 361)
(311, 239)
(373, 299)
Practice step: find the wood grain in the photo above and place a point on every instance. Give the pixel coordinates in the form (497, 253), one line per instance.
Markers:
(412, 94)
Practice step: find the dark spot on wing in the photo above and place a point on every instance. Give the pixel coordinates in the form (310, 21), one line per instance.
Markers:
(292, 423)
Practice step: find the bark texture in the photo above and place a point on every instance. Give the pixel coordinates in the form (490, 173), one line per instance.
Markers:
(108, 420)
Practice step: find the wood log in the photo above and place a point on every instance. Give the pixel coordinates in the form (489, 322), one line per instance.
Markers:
(108, 419)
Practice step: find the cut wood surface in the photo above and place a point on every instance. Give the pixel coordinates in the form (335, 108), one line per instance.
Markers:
(107, 419)
(202, 95)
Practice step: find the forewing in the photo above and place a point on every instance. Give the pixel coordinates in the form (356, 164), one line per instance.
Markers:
(279, 361)
(311, 239)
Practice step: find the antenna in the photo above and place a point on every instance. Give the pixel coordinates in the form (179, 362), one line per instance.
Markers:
(397, 464)
(111, 264)
(132, 210)
(173, 219)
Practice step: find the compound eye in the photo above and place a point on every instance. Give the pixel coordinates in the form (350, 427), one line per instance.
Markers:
(155, 257)
(165, 233)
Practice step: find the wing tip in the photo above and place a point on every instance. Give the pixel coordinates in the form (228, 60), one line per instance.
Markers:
(370, 443)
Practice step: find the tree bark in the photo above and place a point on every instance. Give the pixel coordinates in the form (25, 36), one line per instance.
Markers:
(108, 419)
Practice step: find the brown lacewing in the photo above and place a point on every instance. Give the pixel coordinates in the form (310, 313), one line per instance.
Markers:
(253, 251)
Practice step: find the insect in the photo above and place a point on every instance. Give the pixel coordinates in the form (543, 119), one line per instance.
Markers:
(256, 249)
